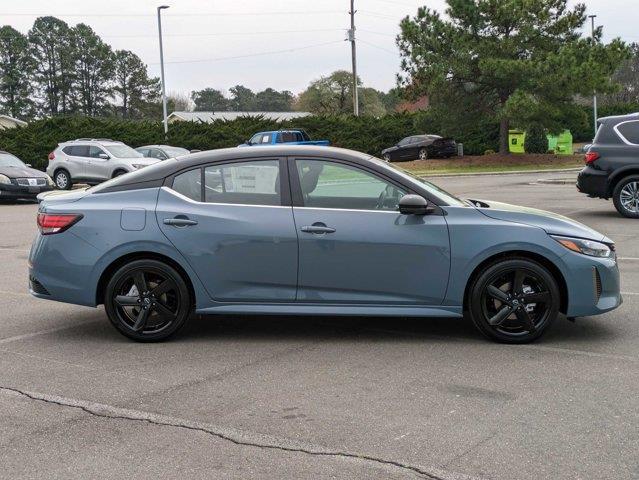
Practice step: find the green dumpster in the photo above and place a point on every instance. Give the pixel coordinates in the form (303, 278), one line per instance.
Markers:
(516, 140)
(564, 143)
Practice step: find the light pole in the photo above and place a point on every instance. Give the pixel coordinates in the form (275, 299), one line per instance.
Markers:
(166, 124)
(594, 97)
(351, 38)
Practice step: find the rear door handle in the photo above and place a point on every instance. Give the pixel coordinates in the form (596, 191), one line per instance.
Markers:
(321, 229)
(180, 221)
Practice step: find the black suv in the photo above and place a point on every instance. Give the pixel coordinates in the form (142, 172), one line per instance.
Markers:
(612, 164)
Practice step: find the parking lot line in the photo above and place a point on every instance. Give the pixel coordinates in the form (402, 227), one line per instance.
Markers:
(24, 336)
(12, 249)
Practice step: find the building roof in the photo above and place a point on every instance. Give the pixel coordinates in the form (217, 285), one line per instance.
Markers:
(212, 116)
(17, 122)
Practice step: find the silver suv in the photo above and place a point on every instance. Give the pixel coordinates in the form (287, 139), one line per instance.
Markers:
(92, 160)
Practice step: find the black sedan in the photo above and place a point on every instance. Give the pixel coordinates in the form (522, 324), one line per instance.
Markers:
(420, 147)
(18, 180)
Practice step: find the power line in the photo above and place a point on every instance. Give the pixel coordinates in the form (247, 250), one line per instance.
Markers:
(259, 54)
(203, 14)
(373, 32)
(378, 47)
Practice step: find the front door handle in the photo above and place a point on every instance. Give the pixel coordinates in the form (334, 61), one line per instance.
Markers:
(318, 228)
(180, 221)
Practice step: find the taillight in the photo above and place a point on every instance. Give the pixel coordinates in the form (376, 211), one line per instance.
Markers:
(50, 223)
(51, 156)
(591, 157)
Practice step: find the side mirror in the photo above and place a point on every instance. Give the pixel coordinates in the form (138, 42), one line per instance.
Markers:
(103, 156)
(28, 165)
(414, 205)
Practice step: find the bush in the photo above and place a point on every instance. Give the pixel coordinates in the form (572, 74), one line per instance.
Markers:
(489, 152)
(536, 140)
(367, 134)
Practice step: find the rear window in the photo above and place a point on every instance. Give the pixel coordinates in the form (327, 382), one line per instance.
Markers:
(77, 150)
(629, 131)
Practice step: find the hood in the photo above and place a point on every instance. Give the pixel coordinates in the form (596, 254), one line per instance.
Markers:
(552, 223)
(21, 172)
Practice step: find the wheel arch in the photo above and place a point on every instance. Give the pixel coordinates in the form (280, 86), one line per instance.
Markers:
(119, 170)
(536, 257)
(619, 175)
(142, 255)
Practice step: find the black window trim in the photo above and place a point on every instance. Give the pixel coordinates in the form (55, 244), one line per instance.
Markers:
(621, 135)
(285, 191)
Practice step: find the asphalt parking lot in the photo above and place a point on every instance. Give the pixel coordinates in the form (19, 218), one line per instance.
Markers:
(249, 397)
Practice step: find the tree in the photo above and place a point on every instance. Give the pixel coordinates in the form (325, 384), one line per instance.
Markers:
(627, 76)
(391, 99)
(536, 140)
(132, 85)
(16, 70)
(242, 99)
(209, 100)
(51, 50)
(330, 95)
(507, 59)
(179, 102)
(94, 68)
(270, 100)
(370, 102)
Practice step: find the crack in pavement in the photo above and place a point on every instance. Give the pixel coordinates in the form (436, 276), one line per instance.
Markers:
(236, 437)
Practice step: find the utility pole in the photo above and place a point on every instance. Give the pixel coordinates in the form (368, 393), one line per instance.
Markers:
(351, 38)
(166, 123)
(594, 97)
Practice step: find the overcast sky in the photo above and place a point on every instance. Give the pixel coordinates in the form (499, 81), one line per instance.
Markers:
(200, 35)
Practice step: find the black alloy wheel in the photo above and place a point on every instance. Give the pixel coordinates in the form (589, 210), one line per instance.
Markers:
(514, 300)
(147, 300)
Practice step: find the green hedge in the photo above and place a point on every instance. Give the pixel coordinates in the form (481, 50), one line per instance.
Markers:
(367, 134)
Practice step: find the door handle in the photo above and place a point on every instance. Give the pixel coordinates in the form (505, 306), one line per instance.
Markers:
(318, 229)
(179, 221)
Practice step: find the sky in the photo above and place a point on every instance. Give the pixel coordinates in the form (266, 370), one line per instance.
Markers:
(283, 44)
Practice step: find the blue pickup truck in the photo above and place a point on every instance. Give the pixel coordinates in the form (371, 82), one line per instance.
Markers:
(279, 137)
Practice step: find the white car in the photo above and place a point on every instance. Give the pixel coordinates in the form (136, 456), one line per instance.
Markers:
(92, 161)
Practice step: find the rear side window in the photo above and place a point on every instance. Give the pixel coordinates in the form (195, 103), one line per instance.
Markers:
(189, 184)
(629, 131)
(77, 150)
(291, 137)
(246, 183)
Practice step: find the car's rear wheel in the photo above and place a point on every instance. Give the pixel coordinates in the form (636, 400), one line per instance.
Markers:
(423, 154)
(514, 300)
(147, 300)
(63, 180)
(626, 196)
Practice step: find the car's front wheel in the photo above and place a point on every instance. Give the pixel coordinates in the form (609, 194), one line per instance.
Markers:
(147, 300)
(386, 157)
(626, 196)
(514, 300)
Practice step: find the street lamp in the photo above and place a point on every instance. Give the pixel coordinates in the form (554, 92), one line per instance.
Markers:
(594, 97)
(166, 124)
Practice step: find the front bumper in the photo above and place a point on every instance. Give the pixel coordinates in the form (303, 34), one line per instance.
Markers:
(593, 182)
(14, 192)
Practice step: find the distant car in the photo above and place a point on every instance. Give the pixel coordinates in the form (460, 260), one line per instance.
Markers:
(281, 137)
(162, 152)
(420, 147)
(19, 181)
(92, 161)
(612, 164)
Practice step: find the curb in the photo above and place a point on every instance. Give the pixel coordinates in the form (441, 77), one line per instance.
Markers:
(511, 172)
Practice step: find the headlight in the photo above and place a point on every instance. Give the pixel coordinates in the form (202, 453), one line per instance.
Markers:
(4, 179)
(138, 165)
(586, 247)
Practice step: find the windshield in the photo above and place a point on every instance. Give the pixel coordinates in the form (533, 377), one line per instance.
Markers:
(122, 151)
(432, 188)
(8, 160)
(175, 151)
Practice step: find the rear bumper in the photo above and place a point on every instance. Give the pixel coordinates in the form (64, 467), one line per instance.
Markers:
(593, 182)
(14, 192)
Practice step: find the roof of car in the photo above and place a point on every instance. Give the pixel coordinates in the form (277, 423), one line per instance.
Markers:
(161, 146)
(101, 141)
(618, 118)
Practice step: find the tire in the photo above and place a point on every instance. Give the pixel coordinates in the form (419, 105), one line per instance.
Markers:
(625, 196)
(63, 180)
(149, 317)
(422, 154)
(499, 300)
(386, 157)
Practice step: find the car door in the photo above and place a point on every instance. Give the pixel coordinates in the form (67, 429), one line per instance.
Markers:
(355, 246)
(77, 160)
(98, 168)
(233, 223)
(403, 148)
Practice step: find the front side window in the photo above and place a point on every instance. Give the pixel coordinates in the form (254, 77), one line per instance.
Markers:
(246, 183)
(122, 151)
(629, 131)
(327, 184)
(94, 152)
